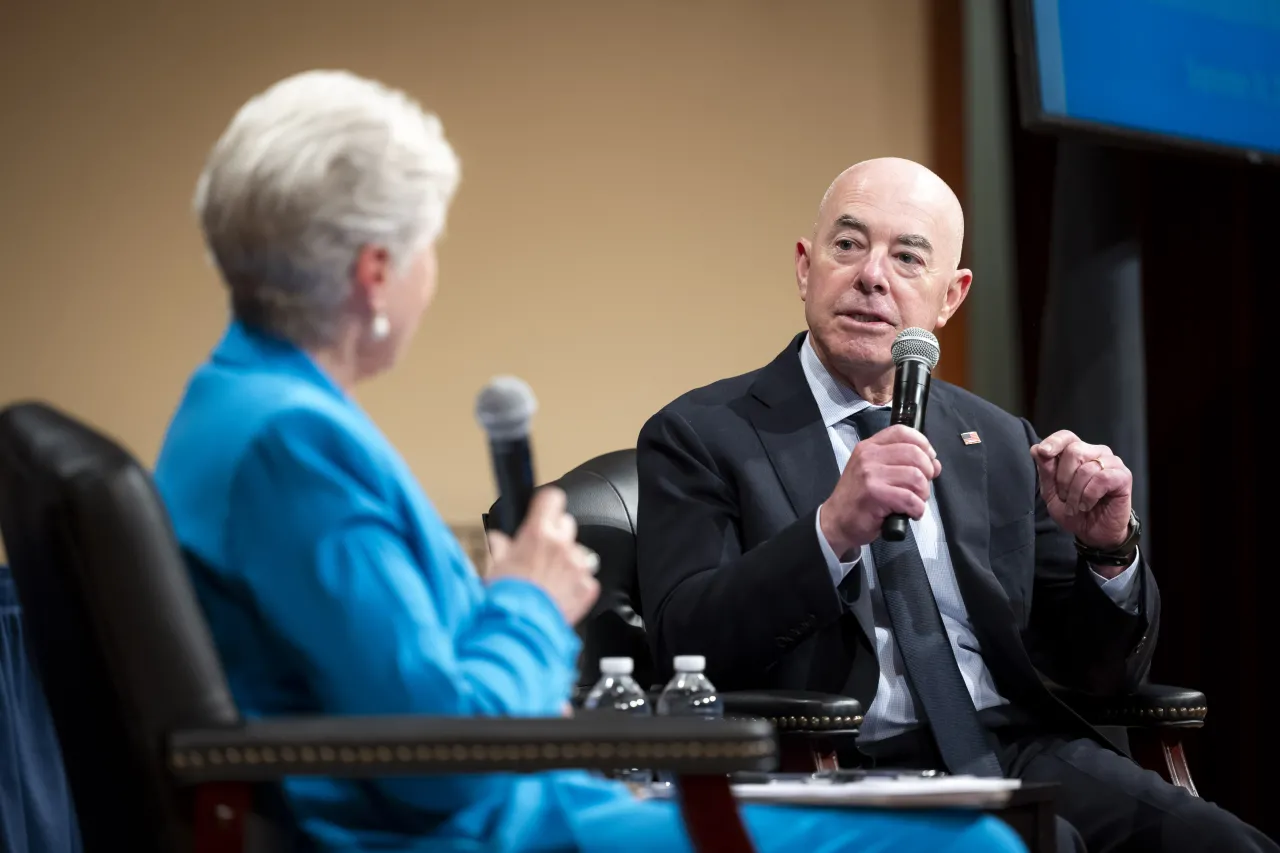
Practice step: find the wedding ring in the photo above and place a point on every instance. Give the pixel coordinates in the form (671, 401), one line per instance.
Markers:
(1101, 464)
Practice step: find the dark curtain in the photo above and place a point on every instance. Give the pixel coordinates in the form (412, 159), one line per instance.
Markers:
(1210, 248)
(1091, 376)
(1198, 237)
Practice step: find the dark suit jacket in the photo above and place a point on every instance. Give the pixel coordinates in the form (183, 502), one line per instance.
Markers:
(731, 476)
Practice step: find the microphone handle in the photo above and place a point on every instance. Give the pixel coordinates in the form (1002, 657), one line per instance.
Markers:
(894, 528)
(910, 397)
(513, 471)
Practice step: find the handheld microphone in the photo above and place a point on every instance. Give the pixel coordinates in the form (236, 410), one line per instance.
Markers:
(915, 355)
(504, 408)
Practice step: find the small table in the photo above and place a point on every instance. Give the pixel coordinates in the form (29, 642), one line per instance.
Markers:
(1030, 813)
(1028, 809)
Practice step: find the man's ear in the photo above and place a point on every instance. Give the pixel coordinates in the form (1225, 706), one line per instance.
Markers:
(803, 251)
(957, 290)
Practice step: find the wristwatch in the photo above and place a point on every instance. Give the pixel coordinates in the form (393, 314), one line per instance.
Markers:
(1121, 555)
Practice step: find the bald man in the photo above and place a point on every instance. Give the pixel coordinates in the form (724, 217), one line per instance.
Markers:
(761, 503)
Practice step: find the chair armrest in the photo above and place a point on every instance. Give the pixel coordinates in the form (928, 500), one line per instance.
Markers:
(796, 710)
(788, 710)
(379, 746)
(1150, 706)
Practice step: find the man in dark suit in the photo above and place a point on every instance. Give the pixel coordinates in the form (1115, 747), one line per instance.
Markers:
(761, 503)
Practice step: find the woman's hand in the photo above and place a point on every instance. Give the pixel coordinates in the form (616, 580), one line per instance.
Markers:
(545, 552)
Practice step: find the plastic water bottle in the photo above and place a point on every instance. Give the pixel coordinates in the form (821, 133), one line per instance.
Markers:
(617, 692)
(689, 693)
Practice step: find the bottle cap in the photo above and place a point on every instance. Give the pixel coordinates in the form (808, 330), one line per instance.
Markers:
(690, 663)
(616, 666)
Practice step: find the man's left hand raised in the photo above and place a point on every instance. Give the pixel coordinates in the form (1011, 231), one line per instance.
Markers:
(1087, 489)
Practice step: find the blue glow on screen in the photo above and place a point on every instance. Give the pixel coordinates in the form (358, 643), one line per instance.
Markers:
(1201, 70)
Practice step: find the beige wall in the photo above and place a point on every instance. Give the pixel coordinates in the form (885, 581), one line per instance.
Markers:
(635, 174)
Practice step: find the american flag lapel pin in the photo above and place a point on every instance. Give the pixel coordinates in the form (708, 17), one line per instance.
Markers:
(970, 438)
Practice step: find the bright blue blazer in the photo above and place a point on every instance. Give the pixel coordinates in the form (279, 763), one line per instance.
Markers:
(332, 586)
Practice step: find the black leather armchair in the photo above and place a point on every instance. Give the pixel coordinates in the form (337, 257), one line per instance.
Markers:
(603, 497)
(156, 752)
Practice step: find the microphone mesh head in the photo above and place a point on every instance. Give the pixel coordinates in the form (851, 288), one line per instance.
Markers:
(918, 344)
(505, 407)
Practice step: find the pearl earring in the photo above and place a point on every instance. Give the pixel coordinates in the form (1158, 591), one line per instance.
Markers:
(381, 327)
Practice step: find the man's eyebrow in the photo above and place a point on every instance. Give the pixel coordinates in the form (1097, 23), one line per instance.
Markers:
(915, 241)
(847, 222)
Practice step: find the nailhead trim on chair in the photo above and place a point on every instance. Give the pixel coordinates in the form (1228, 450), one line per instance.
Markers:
(1196, 713)
(1192, 714)
(812, 724)
(304, 755)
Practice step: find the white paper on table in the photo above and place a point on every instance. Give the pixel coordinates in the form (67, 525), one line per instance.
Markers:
(893, 792)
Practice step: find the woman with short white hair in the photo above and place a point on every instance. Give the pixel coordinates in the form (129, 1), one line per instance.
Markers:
(330, 583)
(323, 181)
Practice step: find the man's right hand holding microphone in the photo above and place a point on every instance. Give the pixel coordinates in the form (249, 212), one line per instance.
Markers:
(888, 473)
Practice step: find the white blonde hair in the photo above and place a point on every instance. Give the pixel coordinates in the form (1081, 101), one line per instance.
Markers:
(308, 172)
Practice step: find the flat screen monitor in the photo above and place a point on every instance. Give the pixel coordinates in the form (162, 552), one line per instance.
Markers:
(1200, 74)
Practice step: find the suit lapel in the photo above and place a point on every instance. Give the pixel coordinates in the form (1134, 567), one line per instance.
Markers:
(965, 510)
(961, 491)
(791, 429)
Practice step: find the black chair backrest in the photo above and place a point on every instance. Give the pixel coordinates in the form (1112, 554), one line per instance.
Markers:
(603, 494)
(120, 643)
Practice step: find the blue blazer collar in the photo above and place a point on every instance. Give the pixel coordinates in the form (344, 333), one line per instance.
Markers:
(249, 348)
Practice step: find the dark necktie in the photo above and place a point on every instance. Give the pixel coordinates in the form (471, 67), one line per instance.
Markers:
(942, 700)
